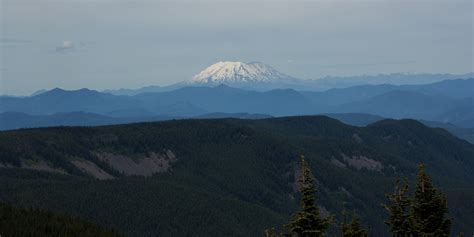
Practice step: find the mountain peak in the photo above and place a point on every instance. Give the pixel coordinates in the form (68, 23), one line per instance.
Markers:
(229, 72)
(61, 92)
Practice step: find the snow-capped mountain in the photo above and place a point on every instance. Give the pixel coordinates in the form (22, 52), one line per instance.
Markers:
(239, 73)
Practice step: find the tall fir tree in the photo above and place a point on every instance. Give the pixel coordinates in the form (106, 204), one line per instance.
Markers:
(307, 222)
(429, 208)
(399, 220)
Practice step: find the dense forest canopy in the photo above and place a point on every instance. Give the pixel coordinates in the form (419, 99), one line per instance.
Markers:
(227, 176)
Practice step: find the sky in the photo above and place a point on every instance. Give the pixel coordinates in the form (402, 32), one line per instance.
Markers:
(110, 44)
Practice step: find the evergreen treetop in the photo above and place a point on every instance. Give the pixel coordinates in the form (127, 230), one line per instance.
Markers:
(421, 215)
(398, 209)
(429, 208)
(352, 228)
(307, 222)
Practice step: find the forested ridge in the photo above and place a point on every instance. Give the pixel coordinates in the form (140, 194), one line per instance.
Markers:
(231, 177)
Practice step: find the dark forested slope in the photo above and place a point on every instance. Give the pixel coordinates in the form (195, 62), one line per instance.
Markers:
(35, 222)
(228, 177)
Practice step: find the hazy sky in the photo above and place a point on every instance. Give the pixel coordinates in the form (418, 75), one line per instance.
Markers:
(106, 44)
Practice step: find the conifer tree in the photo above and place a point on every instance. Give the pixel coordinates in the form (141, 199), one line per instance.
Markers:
(429, 208)
(422, 215)
(399, 211)
(352, 229)
(271, 233)
(307, 222)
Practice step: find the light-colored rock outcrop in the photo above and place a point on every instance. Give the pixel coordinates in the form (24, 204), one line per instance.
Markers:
(141, 165)
(92, 169)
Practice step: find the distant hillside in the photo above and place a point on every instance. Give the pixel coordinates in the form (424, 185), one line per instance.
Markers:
(393, 79)
(462, 116)
(463, 133)
(60, 101)
(355, 119)
(402, 104)
(226, 177)
(16, 120)
(460, 88)
(366, 119)
(233, 115)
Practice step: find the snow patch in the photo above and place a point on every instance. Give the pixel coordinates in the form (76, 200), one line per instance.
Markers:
(239, 72)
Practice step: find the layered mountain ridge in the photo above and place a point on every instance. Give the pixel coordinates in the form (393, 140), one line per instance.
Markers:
(450, 101)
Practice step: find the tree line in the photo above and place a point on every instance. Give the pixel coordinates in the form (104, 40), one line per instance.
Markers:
(421, 214)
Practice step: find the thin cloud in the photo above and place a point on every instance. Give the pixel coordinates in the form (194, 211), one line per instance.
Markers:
(66, 45)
